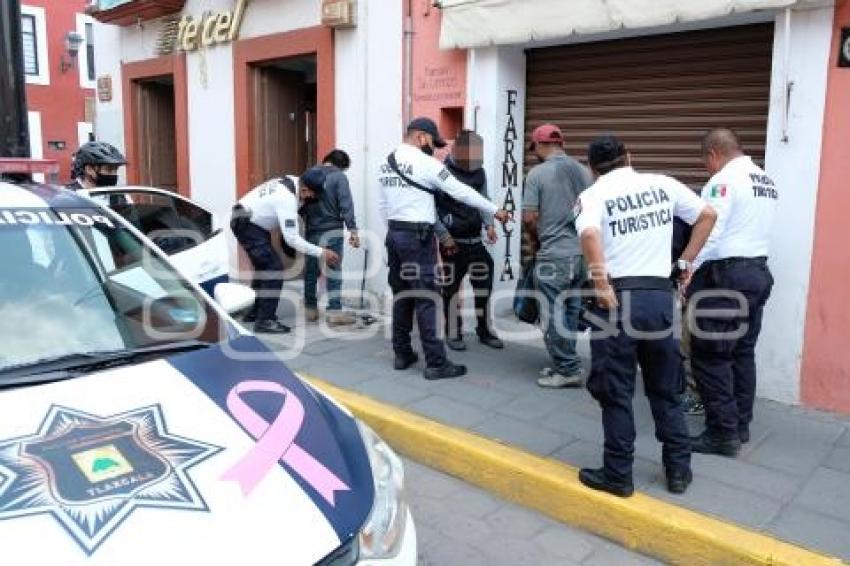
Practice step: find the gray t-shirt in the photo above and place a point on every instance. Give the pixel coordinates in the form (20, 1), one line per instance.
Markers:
(552, 188)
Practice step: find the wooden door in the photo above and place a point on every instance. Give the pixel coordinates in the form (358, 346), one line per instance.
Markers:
(156, 135)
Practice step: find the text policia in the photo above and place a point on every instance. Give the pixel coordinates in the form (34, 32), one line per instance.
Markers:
(46, 217)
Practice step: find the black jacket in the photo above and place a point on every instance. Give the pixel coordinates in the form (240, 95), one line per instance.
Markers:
(461, 220)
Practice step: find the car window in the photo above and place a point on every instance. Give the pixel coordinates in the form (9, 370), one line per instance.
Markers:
(173, 224)
(89, 285)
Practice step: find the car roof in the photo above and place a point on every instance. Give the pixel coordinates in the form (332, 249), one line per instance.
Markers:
(37, 195)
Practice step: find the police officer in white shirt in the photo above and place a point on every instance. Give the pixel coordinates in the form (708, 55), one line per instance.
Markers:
(409, 181)
(625, 221)
(270, 206)
(733, 261)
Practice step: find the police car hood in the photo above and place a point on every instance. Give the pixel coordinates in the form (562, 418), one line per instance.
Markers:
(218, 456)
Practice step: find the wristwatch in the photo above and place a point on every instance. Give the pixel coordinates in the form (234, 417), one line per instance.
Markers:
(683, 265)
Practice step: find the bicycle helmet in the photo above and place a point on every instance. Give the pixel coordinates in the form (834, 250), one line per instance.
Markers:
(96, 153)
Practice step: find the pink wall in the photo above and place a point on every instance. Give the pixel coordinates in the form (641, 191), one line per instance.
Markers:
(62, 103)
(826, 355)
(439, 77)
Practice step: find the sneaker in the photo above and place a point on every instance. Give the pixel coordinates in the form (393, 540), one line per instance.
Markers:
(692, 404)
(546, 372)
(678, 481)
(599, 480)
(340, 318)
(403, 362)
(491, 340)
(311, 314)
(446, 371)
(707, 443)
(556, 380)
(271, 327)
(456, 344)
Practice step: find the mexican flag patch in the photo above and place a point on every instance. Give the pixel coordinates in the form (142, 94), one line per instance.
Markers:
(718, 191)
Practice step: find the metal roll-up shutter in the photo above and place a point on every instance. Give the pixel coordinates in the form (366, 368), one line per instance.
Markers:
(659, 94)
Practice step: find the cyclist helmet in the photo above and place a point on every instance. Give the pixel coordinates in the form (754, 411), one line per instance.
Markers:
(96, 153)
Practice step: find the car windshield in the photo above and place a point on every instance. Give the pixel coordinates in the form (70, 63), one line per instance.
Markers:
(77, 282)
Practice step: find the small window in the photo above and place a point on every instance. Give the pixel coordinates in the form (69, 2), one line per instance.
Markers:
(90, 51)
(173, 224)
(30, 44)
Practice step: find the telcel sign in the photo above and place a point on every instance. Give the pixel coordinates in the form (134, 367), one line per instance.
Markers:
(210, 29)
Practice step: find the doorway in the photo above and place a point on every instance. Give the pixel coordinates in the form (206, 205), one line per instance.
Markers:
(285, 117)
(156, 136)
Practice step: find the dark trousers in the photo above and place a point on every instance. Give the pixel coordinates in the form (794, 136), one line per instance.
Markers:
(723, 348)
(613, 375)
(475, 260)
(412, 259)
(268, 269)
(333, 274)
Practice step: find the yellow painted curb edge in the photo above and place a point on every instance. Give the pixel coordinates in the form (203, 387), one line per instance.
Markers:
(642, 523)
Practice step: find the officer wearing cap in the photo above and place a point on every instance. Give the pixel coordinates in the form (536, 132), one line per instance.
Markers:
(732, 274)
(625, 221)
(269, 207)
(409, 180)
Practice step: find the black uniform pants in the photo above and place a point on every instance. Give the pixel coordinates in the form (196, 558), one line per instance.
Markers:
(267, 280)
(723, 347)
(639, 332)
(412, 262)
(475, 260)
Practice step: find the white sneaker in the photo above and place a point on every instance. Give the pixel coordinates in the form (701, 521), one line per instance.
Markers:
(546, 372)
(556, 380)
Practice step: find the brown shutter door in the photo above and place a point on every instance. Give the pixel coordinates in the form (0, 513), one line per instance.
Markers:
(659, 94)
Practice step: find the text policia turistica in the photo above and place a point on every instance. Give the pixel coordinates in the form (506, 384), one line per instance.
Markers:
(649, 201)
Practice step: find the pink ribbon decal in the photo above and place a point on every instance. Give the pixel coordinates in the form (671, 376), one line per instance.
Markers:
(276, 441)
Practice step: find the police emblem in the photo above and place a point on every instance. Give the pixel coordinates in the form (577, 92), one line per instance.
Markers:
(90, 472)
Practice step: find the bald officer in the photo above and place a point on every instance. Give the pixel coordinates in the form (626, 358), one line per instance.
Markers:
(625, 220)
(409, 180)
(734, 260)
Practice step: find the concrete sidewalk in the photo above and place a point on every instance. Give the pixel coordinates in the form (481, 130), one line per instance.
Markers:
(791, 481)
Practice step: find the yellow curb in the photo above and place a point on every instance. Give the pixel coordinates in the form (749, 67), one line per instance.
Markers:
(641, 523)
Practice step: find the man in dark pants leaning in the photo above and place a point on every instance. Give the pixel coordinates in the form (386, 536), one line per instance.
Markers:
(732, 275)
(409, 181)
(625, 221)
(458, 229)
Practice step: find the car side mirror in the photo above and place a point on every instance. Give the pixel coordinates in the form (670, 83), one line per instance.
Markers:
(234, 297)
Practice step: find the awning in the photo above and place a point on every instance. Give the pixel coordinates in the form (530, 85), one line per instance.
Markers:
(479, 23)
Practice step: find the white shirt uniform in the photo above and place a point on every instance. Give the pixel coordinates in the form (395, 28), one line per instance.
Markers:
(399, 201)
(273, 206)
(745, 200)
(634, 211)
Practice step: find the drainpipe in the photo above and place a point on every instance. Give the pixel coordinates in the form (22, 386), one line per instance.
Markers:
(14, 126)
(408, 64)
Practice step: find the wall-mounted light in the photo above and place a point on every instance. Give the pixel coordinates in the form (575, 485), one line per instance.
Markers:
(73, 41)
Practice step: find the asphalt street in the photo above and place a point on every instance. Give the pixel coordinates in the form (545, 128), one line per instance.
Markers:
(461, 525)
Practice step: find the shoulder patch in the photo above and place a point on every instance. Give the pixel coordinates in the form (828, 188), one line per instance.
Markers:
(718, 191)
(444, 174)
(289, 223)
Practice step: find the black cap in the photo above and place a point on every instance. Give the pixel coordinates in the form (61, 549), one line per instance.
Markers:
(428, 126)
(604, 150)
(314, 178)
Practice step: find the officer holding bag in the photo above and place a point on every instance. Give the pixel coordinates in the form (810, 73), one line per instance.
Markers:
(625, 221)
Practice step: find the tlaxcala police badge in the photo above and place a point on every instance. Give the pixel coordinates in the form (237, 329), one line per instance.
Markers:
(90, 472)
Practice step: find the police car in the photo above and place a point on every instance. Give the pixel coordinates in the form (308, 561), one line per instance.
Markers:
(183, 229)
(142, 425)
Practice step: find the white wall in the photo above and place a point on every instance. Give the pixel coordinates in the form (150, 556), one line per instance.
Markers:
(795, 168)
(36, 140)
(492, 73)
(109, 117)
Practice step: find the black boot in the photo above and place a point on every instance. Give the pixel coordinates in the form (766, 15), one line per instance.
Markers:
(271, 327)
(489, 339)
(405, 361)
(708, 443)
(446, 371)
(679, 480)
(599, 480)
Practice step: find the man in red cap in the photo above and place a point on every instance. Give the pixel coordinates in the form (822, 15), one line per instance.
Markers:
(551, 190)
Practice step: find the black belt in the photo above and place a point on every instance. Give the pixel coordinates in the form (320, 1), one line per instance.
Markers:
(740, 261)
(405, 226)
(642, 283)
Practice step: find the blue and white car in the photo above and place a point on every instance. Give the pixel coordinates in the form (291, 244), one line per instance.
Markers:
(186, 231)
(139, 424)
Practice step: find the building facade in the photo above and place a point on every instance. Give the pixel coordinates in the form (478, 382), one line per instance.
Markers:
(59, 47)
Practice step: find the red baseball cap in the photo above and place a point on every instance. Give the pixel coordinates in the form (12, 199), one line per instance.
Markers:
(547, 133)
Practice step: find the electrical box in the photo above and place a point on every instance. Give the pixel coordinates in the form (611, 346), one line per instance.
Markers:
(339, 14)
